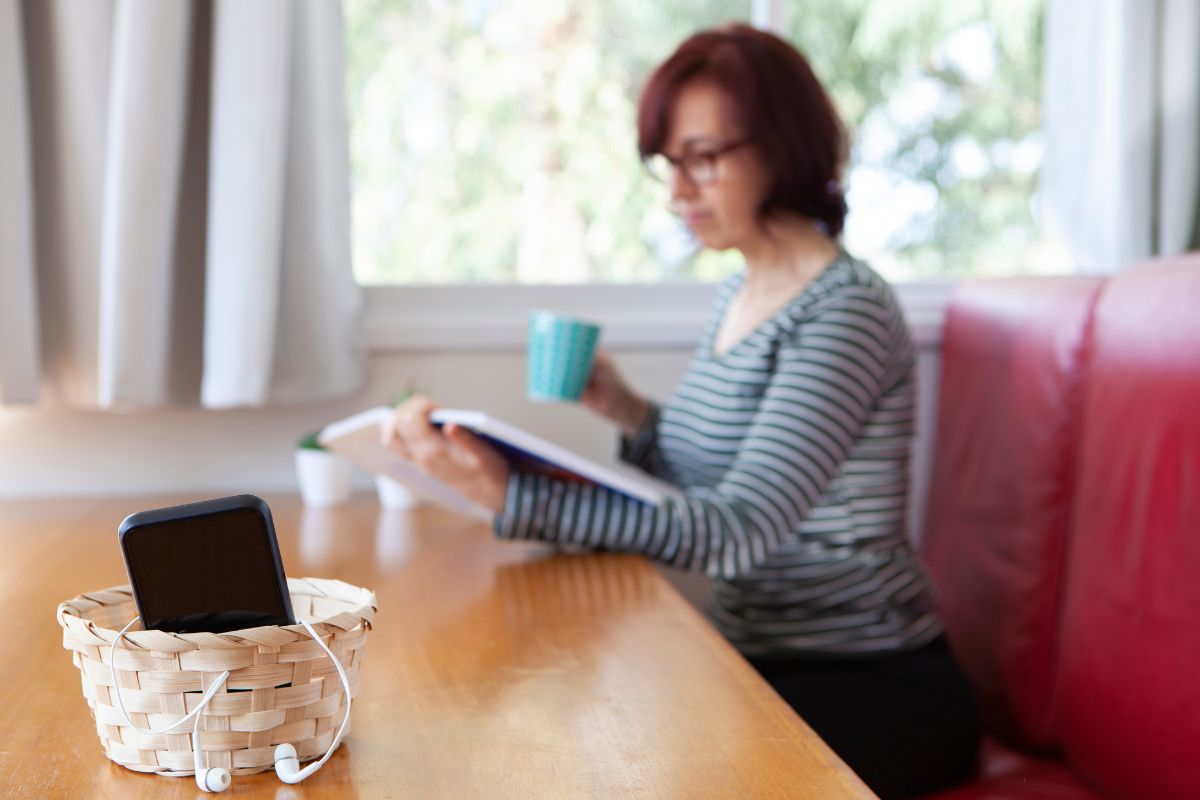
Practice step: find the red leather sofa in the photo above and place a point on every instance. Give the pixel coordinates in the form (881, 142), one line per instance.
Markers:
(1063, 529)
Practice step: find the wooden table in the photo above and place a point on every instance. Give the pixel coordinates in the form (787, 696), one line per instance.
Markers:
(495, 669)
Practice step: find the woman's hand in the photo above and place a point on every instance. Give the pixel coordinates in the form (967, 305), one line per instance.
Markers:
(608, 395)
(453, 455)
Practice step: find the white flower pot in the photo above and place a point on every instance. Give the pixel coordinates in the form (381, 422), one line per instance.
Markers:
(324, 478)
(393, 494)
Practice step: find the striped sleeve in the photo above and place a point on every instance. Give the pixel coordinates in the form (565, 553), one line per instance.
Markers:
(827, 378)
(642, 450)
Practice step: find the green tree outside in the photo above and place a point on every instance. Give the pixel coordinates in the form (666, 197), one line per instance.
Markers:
(494, 141)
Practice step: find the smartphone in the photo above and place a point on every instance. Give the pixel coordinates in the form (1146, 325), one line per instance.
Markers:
(211, 566)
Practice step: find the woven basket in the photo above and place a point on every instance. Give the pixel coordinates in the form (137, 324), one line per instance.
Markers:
(294, 693)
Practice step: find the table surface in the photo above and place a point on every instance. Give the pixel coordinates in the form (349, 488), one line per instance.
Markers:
(495, 669)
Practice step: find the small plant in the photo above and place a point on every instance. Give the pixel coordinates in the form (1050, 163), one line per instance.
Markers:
(310, 442)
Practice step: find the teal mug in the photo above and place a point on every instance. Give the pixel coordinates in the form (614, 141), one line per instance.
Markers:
(561, 350)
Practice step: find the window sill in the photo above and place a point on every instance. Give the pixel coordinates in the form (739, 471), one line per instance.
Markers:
(633, 316)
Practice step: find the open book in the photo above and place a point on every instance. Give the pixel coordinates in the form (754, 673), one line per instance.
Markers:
(356, 438)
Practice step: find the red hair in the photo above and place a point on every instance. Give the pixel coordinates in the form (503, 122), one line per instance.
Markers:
(778, 102)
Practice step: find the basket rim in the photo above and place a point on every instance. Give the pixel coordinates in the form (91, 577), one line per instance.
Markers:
(361, 613)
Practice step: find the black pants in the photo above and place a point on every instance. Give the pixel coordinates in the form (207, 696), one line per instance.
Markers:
(905, 723)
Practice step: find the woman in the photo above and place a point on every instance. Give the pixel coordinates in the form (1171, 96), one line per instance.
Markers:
(790, 430)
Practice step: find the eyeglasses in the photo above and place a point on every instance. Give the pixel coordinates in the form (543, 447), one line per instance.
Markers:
(699, 167)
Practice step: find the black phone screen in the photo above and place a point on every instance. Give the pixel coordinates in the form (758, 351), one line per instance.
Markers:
(211, 566)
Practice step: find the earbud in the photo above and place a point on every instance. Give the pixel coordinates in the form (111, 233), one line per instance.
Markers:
(287, 765)
(209, 779)
(215, 779)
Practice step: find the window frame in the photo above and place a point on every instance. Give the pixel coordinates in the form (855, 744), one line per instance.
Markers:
(651, 316)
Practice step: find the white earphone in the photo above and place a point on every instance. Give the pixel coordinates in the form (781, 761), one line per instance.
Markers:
(217, 779)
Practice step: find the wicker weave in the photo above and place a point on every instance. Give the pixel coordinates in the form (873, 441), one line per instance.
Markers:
(294, 694)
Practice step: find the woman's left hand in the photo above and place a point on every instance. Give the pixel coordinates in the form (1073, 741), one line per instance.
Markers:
(453, 454)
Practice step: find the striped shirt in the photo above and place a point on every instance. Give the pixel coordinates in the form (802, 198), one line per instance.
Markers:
(793, 451)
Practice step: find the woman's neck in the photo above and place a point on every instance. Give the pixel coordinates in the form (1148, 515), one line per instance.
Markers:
(788, 249)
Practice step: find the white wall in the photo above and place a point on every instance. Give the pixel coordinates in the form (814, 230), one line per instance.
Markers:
(62, 452)
(55, 452)
(58, 452)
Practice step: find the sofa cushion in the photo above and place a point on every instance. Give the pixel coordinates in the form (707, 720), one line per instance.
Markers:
(1129, 683)
(1000, 498)
(1009, 775)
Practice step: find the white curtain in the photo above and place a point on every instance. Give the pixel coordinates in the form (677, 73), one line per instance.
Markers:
(175, 209)
(18, 322)
(1121, 180)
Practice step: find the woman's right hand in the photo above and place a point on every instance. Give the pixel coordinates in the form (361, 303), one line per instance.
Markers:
(607, 394)
(453, 454)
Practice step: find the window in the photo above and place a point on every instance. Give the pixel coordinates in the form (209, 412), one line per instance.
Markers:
(944, 102)
(492, 141)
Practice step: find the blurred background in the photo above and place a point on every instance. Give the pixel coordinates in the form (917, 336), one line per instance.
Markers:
(225, 224)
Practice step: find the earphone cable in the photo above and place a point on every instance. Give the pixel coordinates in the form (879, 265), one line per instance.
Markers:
(345, 684)
(215, 687)
(112, 668)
